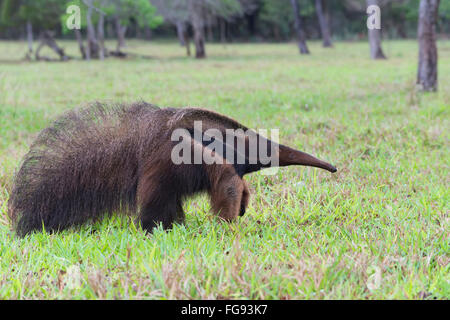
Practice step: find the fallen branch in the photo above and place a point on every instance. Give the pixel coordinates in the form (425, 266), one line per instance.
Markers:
(46, 39)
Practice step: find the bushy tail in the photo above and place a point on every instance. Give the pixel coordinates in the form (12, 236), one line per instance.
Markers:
(78, 169)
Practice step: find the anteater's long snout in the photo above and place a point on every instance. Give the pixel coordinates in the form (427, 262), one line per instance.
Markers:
(289, 157)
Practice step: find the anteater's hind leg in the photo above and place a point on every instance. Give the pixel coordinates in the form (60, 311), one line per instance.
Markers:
(228, 191)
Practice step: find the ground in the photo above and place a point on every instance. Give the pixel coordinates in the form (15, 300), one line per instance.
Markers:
(377, 229)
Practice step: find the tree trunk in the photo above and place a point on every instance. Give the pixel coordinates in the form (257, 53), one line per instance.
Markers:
(401, 29)
(30, 37)
(120, 31)
(323, 16)
(181, 33)
(197, 21)
(209, 33)
(138, 31)
(80, 43)
(223, 30)
(276, 32)
(148, 33)
(376, 52)
(428, 57)
(209, 29)
(101, 37)
(93, 47)
(187, 44)
(199, 41)
(299, 29)
(183, 37)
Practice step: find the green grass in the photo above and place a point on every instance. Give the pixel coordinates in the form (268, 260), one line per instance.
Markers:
(378, 229)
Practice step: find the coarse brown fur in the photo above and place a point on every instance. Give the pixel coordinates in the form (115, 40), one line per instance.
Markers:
(102, 159)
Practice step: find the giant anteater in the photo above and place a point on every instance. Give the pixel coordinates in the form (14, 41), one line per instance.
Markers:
(106, 158)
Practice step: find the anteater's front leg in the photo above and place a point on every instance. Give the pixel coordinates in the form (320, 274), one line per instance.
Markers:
(155, 212)
(157, 202)
(229, 193)
(245, 198)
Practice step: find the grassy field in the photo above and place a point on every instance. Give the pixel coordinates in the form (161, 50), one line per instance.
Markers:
(377, 229)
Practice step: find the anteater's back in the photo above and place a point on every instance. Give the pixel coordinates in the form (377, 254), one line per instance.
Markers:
(83, 166)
